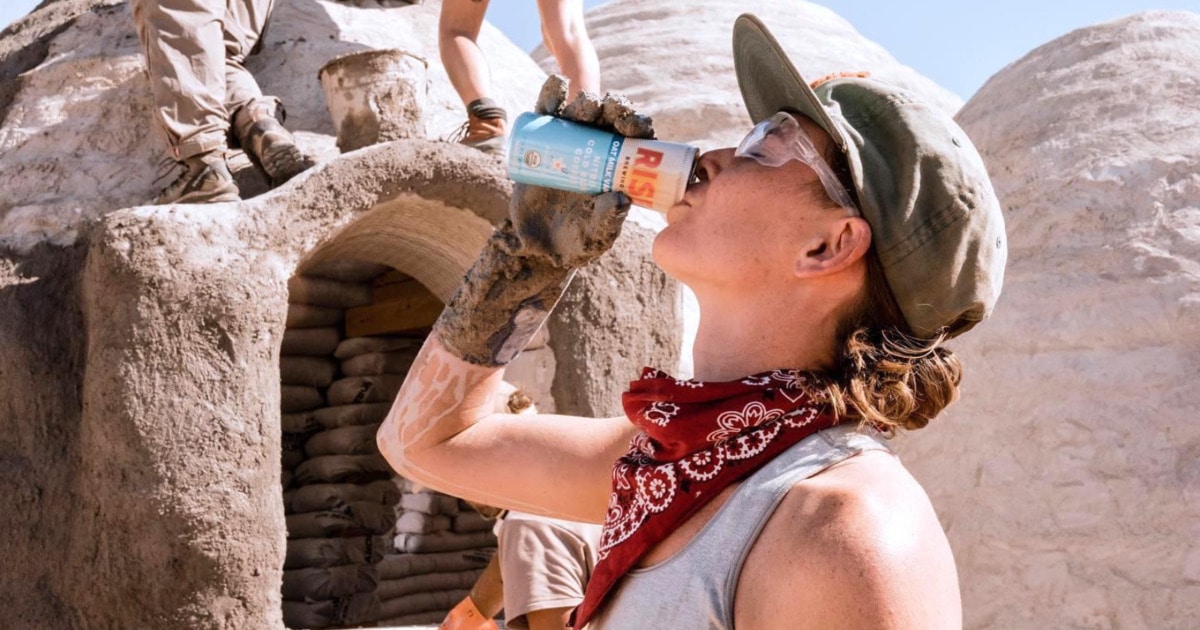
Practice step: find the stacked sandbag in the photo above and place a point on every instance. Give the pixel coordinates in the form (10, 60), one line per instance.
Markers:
(338, 532)
(316, 309)
(306, 369)
(303, 380)
(341, 515)
(343, 448)
(339, 500)
(373, 370)
(442, 546)
(363, 545)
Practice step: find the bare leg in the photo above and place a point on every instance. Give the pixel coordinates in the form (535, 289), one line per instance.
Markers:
(567, 39)
(458, 28)
(488, 592)
(546, 42)
(548, 619)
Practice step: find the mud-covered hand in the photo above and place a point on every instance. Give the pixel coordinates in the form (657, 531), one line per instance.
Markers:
(529, 260)
(572, 229)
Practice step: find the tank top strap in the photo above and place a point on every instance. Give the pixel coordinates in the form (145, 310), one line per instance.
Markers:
(726, 539)
(695, 587)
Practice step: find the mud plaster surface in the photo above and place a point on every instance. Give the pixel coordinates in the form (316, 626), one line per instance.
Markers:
(156, 460)
(1068, 476)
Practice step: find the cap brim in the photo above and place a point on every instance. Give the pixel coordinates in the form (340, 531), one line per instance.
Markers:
(768, 80)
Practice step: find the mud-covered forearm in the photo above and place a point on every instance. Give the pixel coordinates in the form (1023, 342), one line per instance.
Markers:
(527, 264)
(505, 297)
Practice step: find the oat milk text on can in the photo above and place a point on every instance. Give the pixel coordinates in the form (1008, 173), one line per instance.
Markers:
(557, 153)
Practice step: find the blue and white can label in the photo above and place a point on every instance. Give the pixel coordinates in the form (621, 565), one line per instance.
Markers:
(556, 153)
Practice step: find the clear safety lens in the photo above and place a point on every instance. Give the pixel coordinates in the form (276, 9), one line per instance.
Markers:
(780, 139)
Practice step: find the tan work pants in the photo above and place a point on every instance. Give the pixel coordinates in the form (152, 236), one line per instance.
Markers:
(194, 52)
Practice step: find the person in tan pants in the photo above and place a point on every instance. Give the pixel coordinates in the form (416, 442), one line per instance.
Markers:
(541, 566)
(194, 53)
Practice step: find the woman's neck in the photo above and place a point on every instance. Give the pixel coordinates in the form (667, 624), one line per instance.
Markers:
(748, 335)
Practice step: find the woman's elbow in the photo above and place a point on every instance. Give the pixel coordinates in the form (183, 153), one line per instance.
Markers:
(393, 449)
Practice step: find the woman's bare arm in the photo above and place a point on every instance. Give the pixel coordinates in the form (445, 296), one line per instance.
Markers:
(442, 432)
(856, 547)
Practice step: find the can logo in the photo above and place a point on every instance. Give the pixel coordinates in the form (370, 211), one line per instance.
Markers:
(642, 179)
(556, 153)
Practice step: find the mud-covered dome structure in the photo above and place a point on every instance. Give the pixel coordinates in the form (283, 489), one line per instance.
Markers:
(1067, 475)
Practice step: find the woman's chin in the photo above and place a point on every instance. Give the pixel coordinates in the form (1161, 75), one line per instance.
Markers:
(671, 255)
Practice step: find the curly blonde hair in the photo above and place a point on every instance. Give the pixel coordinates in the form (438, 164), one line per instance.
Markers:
(884, 375)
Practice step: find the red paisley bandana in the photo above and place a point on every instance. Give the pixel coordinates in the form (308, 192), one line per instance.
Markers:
(696, 439)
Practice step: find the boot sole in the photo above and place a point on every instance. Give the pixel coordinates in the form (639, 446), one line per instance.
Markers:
(493, 146)
(285, 163)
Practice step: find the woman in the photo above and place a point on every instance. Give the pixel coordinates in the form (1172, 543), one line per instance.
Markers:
(832, 253)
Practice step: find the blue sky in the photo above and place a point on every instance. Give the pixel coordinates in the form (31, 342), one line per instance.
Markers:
(957, 43)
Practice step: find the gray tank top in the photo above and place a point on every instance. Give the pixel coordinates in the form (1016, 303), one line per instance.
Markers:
(694, 588)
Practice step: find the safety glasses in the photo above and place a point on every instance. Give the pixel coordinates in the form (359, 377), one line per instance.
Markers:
(780, 139)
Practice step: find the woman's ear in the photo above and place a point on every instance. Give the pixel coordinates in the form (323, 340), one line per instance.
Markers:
(846, 242)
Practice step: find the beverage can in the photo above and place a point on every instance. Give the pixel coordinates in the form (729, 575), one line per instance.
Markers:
(557, 153)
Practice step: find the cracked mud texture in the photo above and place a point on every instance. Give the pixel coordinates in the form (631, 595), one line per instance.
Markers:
(508, 293)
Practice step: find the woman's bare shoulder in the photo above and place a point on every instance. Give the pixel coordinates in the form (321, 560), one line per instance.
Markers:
(858, 545)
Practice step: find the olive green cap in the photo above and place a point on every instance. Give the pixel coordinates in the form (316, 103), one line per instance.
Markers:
(936, 224)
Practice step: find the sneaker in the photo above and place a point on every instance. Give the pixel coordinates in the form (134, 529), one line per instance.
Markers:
(205, 179)
(485, 134)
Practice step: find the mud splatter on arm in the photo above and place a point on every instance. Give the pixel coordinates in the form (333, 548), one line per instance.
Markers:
(444, 432)
(442, 396)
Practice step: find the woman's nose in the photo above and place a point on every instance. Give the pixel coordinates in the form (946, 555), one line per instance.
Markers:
(712, 163)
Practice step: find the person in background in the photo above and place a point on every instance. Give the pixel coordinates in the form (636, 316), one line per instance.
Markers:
(541, 568)
(564, 35)
(537, 577)
(204, 98)
(545, 565)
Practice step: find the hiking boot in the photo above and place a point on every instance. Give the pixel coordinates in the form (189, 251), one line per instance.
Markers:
(205, 179)
(485, 134)
(267, 143)
(485, 128)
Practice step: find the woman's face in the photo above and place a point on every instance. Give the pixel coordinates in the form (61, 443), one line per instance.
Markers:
(744, 222)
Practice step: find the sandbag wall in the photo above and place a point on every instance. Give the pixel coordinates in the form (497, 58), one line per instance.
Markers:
(440, 548)
(338, 496)
(363, 544)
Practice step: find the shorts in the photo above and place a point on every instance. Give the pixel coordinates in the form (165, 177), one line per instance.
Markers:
(545, 563)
